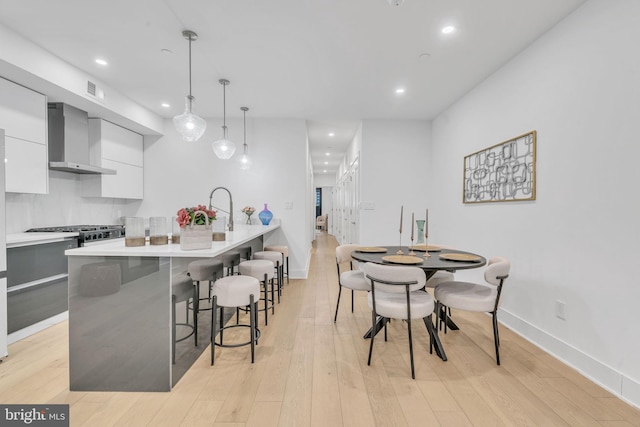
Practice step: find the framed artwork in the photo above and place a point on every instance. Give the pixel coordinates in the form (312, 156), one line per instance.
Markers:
(505, 172)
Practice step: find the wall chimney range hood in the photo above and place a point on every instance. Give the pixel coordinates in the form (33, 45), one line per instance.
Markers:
(69, 141)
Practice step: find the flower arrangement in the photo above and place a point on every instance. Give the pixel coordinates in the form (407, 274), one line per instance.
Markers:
(186, 215)
(248, 210)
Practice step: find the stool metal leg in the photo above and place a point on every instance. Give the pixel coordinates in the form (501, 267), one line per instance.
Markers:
(213, 328)
(173, 326)
(253, 327)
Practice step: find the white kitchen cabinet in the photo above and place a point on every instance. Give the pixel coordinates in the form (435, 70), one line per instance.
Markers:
(26, 166)
(23, 116)
(23, 112)
(114, 147)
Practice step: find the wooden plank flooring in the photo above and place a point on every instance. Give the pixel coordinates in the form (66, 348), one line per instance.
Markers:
(310, 371)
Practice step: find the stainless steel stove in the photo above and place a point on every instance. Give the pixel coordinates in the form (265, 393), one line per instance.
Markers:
(86, 233)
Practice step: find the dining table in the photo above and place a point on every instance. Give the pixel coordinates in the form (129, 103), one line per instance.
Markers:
(430, 258)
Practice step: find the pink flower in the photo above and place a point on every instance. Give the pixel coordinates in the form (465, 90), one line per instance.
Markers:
(187, 215)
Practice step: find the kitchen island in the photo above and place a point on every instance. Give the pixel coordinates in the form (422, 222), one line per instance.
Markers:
(120, 332)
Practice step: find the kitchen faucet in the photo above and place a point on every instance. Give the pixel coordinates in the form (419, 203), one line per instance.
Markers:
(230, 212)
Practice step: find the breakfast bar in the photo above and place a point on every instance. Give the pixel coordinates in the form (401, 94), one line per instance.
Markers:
(120, 304)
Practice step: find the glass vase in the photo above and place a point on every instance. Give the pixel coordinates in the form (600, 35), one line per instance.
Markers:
(265, 215)
(420, 225)
(249, 218)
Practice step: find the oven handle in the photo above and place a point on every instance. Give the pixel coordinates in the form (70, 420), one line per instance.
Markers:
(37, 283)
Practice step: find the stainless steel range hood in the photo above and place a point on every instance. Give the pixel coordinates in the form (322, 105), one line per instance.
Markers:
(69, 141)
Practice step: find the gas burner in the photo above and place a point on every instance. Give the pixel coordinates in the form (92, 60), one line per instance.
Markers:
(86, 233)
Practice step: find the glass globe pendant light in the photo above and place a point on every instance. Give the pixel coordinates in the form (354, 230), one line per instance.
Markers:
(224, 148)
(245, 160)
(190, 126)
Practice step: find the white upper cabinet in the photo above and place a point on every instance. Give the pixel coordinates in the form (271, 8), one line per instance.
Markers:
(114, 147)
(23, 116)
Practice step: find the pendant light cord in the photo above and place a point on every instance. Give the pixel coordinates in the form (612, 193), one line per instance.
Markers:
(244, 120)
(190, 96)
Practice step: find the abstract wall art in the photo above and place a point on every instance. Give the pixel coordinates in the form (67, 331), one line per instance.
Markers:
(505, 172)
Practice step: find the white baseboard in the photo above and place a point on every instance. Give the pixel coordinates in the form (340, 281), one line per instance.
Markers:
(607, 377)
(37, 327)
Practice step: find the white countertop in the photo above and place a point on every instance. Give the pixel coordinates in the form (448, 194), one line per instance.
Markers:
(25, 239)
(241, 234)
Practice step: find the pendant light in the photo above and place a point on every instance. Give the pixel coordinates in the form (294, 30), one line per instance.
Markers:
(224, 148)
(245, 160)
(190, 126)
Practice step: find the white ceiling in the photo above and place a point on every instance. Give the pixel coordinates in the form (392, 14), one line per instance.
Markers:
(331, 62)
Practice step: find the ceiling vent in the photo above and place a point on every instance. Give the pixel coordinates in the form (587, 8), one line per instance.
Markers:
(95, 91)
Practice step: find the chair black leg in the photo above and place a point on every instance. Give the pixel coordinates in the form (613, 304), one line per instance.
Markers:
(273, 297)
(352, 294)
(373, 327)
(255, 315)
(221, 324)
(337, 303)
(253, 327)
(413, 371)
(287, 270)
(214, 306)
(496, 337)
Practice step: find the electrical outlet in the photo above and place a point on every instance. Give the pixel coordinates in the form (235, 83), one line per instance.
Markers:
(560, 306)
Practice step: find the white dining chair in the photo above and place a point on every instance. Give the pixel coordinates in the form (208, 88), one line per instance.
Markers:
(352, 278)
(396, 293)
(475, 296)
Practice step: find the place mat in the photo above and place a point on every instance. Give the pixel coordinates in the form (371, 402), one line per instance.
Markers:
(429, 248)
(460, 257)
(371, 249)
(402, 259)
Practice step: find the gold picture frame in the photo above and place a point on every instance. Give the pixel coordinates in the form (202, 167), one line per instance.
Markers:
(505, 172)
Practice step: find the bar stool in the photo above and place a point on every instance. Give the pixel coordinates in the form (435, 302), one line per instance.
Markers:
(284, 250)
(262, 270)
(235, 291)
(230, 260)
(182, 290)
(275, 258)
(201, 270)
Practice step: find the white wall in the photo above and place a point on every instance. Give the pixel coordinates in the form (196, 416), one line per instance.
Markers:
(63, 206)
(394, 171)
(179, 174)
(579, 87)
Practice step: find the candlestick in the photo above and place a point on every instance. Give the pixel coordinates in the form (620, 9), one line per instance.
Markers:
(400, 248)
(411, 247)
(426, 234)
(412, 226)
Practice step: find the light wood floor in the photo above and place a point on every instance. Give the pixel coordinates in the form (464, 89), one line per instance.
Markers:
(310, 371)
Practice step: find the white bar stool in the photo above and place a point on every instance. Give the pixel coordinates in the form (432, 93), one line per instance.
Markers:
(235, 291)
(284, 250)
(262, 270)
(276, 259)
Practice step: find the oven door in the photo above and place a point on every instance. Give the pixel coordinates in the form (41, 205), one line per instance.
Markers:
(37, 286)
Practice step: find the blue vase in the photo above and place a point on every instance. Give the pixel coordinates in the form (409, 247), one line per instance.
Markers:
(265, 216)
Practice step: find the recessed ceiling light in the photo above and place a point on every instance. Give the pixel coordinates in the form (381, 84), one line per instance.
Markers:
(166, 105)
(326, 163)
(327, 154)
(399, 91)
(101, 61)
(448, 29)
(325, 171)
(332, 134)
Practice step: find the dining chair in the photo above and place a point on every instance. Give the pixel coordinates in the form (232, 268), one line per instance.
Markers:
(477, 297)
(396, 293)
(352, 278)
